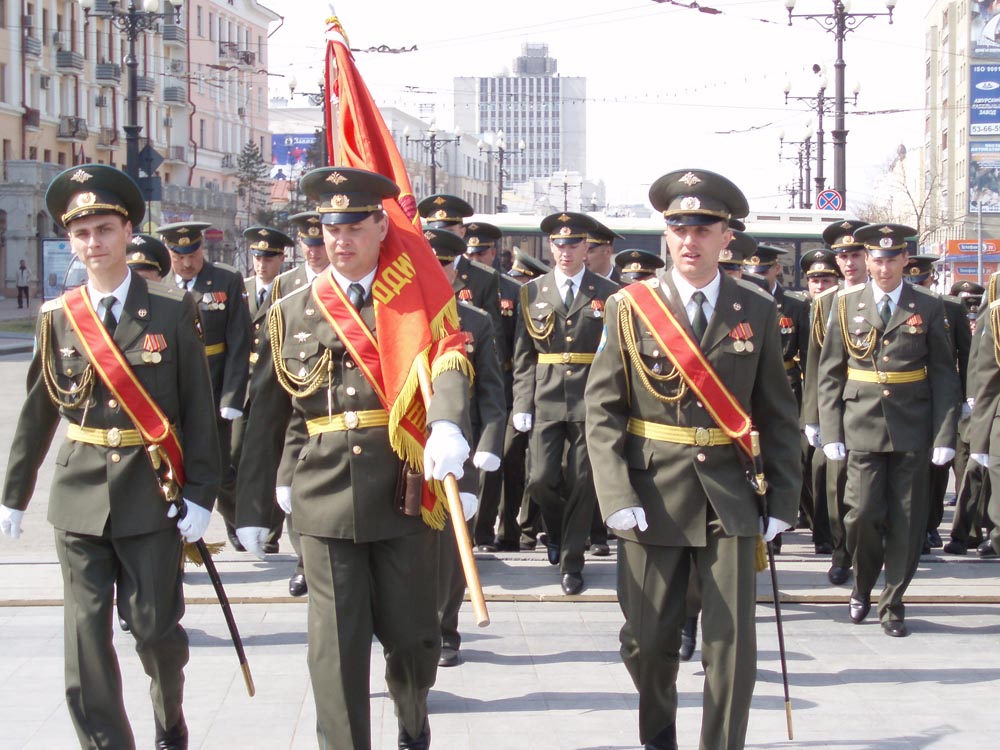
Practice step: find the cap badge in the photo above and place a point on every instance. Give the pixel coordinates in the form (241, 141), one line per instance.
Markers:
(885, 230)
(183, 230)
(81, 175)
(263, 233)
(472, 227)
(184, 241)
(86, 199)
(726, 254)
(565, 231)
(473, 242)
(439, 201)
(137, 256)
(848, 238)
(885, 242)
(915, 271)
(690, 179)
(442, 214)
(340, 201)
(313, 231)
(846, 225)
(336, 178)
(753, 260)
(138, 241)
(690, 203)
(563, 218)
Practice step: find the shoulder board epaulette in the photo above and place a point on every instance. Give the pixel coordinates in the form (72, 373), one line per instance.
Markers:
(617, 297)
(484, 267)
(993, 305)
(827, 292)
(248, 279)
(852, 288)
(800, 296)
(226, 267)
(52, 305)
(750, 287)
(652, 283)
(167, 291)
(294, 293)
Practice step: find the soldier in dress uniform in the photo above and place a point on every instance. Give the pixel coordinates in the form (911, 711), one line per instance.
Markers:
(601, 252)
(850, 256)
(637, 265)
(371, 562)
(741, 247)
(148, 257)
(107, 504)
(669, 479)
(920, 270)
(489, 415)
(562, 316)
(888, 394)
(225, 322)
(309, 232)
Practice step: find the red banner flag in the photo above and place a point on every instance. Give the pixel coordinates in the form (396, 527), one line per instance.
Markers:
(415, 309)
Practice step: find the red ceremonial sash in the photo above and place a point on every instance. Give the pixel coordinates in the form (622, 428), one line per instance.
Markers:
(116, 373)
(687, 357)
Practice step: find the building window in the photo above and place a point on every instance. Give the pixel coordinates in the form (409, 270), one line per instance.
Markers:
(201, 132)
(3, 14)
(198, 25)
(211, 26)
(3, 82)
(47, 156)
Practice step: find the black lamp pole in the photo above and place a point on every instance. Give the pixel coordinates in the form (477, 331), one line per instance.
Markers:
(432, 144)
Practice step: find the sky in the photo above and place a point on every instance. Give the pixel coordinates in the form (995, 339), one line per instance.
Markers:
(668, 87)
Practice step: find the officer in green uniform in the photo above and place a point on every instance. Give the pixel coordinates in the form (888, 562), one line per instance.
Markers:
(562, 316)
(489, 416)
(637, 265)
(670, 481)
(372, 569)
(148, 257)
(225, 322)
(112, 529)
(741, 247)
(888, 392)
(601, 252)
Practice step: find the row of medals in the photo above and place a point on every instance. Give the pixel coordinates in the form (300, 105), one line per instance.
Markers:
(741, 345)
(154, 357)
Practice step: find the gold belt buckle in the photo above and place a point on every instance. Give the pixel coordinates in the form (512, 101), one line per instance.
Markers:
(114, 437)
(351, 420)
(565, 357)
(702, 437)
(883, 377)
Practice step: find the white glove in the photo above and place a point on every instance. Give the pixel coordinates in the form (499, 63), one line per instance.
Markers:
(983, 459)
(252, 538)
(627, 518)
(470, 504)
(195, 521)
(835, 451)
(774, 527)
(10, 521)
(812, 435)
(941, 455)
(522, 422)
(283, 495)
(229, 413)
(445, 451)
(967, 408)
(486, 461)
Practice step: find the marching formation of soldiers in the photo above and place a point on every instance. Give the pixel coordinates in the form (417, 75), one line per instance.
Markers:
(600, 396)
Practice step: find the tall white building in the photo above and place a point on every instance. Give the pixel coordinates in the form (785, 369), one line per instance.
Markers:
(533, 105)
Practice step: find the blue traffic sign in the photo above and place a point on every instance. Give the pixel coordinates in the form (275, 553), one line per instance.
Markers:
(830, 200)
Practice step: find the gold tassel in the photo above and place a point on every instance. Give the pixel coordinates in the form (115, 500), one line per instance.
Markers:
(760, 557)
(192, 554)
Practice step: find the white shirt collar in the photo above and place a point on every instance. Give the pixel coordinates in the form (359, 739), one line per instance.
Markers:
(893, 295)
(685, 289)
(265, 287)
(562, 278)
(120, 294)
(311, 274)
(343, 282)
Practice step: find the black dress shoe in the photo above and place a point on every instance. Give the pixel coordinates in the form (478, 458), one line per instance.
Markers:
(838, 576)
(486, 548)
(553, 553)
(600, 550)
(527, 545)
(421, 742)
(955, 547)
(175, 738)
(934, 538)
(123, 625)
(859, 608)
(986, 549)
(297, 585)
(926, 549)
(234, 540)
(572, 583)
(270, 548)
(449, 657)
(665, 740)
(824, 548)
(688, 633)
(895, 628)
(506, 546)
(776, 544)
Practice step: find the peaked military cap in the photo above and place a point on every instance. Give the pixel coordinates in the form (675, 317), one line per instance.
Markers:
(345, 195)
(741, 247)
(737, 226)
(446, 245)
(481, 236)
(919, 268)
(93, 189)
(692, 197)
(145, 251)
(526, 265)
(840, 235)
(442, 210)
(309, 226)
(183, 237)
(762, 259)
(636, 265)
(884, 240)
(819, 262)
(603, 235)
(967, 289)
(567, 227)
(264, 241)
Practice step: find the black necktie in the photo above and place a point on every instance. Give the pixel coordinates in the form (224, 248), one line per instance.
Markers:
(700, 322)
(356, 294)
(568, 299)
(108, 317)
(261, 294)
(885, 313)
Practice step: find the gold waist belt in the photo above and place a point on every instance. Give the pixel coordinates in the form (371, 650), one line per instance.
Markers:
(566, 358)
(700, 436)
(113, 438)
(212, 349)
(871, 376)
(349, 420)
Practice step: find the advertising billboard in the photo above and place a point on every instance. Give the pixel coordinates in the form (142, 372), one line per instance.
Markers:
(984, 100)
(985, 28)
(290, 154)
(984, 177)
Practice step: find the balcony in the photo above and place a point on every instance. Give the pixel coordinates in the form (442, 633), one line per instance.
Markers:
(101, 8)
(229, 51)
(107, 138)
(176, 154)
(175, 95)
(174, 35)
(72, 128)
(68, 61)
(32, 118)
(32, 46)
(228, 161)
(109, 74)
(145, 85)
(246, 58)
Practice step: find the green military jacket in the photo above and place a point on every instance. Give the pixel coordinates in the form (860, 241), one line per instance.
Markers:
(488, 412)
(793, 322)
(510, 295)
(819, 316)
(258, 318)
(984, 382)
(343, 483)
(553, 392)
(94, 484)
(885, 416)
(674, 483)
(479, 285)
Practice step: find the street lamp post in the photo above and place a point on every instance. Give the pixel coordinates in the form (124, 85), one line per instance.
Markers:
(803, 159)
(134, 21)
(839, 22)
(316, 99)
(499, 143)
(432, 144)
